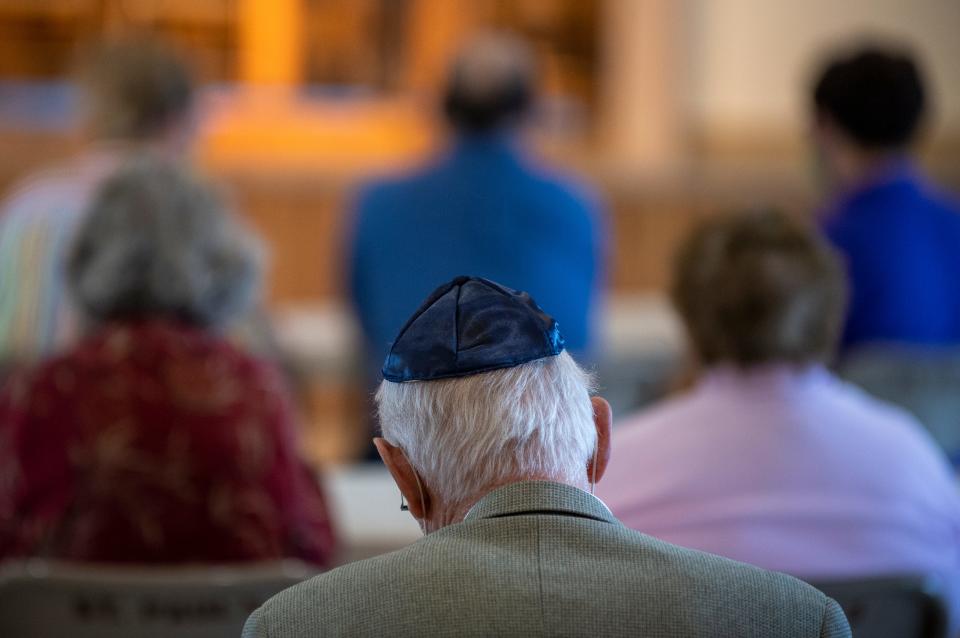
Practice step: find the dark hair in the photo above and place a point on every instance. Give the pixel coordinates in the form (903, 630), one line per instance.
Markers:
(874, 94)
(505, 107)
(490, 85)
(759, 287)
(133, 87)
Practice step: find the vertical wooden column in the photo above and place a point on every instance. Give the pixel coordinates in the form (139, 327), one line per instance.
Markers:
(436, 31)
(271, 38)
(641, 111)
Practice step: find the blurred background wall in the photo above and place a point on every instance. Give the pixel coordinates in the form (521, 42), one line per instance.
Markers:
(751, 62)
(675, 108)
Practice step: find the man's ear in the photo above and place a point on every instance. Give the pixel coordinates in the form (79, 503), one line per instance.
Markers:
(603, 419)
(405, 477)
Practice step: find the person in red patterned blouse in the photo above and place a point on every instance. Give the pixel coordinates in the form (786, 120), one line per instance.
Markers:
(154, 439)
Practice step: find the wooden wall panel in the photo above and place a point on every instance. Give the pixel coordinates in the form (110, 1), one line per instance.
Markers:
(303, 230)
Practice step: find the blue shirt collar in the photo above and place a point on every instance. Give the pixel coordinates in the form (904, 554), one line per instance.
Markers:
(502, 145)
(899, 172)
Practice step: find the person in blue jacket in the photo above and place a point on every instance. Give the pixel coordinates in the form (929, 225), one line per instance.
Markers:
(483, 207)
(898, 233)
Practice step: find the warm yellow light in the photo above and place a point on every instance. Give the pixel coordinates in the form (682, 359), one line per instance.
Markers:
(270, 41)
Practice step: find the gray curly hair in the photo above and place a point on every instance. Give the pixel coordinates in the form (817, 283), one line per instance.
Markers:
(155, 241)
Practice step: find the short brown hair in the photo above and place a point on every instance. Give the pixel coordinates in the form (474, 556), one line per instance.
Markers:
(759, 287)
(133, 88)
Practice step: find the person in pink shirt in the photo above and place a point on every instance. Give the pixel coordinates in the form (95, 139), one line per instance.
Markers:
(769, 458)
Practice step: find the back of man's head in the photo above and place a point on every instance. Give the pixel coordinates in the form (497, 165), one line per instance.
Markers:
(134, 89)
(467, 435)
(490, 84)
(874, 94)
(759, 288)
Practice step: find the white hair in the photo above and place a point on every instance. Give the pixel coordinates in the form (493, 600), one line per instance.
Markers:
(469, 433)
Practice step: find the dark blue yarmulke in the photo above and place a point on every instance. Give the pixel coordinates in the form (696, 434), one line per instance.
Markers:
(468, 326)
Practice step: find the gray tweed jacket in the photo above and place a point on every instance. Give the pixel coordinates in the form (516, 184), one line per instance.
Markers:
(545, 559)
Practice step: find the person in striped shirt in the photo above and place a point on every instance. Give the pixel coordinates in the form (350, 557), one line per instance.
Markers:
(135, 95)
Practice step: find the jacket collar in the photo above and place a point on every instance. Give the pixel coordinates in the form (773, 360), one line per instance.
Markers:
(540, 497)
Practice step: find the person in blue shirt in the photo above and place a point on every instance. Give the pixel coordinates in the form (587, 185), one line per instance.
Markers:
(898, 233)
(483, 207)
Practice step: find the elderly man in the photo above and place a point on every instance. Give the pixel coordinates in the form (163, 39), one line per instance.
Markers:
(495, 443)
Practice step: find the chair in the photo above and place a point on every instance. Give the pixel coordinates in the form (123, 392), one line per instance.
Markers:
(890, 607)
(924, 381)
(45, 600)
